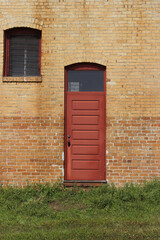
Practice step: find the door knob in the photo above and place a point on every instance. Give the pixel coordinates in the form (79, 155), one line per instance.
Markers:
(69, 143)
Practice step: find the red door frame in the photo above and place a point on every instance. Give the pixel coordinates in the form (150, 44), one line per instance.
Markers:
(81, 66)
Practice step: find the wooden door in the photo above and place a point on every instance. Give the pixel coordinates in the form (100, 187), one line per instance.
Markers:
(85, 123)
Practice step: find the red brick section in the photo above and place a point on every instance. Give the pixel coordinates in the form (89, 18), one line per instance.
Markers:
(30, 151)
(133, 149)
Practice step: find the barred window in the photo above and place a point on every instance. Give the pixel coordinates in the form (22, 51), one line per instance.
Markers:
(22, 52)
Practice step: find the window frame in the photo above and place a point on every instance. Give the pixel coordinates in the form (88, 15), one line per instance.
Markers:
(14, 32)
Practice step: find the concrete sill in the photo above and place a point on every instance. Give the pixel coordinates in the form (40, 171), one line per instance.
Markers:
(81, 183)
(22, 79)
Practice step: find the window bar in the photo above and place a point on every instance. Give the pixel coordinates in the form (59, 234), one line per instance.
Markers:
(25, 62)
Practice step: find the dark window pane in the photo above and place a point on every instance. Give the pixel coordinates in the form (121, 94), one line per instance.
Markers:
(85, 81)
(24, 56)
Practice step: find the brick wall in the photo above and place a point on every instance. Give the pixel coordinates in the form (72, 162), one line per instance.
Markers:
(123, 35)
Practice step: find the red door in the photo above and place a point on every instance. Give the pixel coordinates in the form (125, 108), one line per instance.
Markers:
(85, 123)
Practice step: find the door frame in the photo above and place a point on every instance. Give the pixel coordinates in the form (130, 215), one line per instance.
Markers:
(81, 66)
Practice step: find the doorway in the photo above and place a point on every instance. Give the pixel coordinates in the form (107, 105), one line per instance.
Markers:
(85, 122)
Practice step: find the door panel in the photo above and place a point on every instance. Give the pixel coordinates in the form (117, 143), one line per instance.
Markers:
(85, 164)
(85, 120)
(85, 135)
(85, 150)
(85, 105)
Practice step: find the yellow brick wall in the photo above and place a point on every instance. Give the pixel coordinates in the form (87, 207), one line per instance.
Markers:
(123, 35)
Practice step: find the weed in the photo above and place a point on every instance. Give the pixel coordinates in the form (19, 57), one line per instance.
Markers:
(51, 211)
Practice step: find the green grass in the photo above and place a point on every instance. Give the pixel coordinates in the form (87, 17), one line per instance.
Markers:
(42, 212)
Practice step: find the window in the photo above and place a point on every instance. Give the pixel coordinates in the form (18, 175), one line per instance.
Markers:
(85, 77)
(82, 81)
(22, 53)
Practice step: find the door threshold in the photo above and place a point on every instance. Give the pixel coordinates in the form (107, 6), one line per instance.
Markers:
(84, 183)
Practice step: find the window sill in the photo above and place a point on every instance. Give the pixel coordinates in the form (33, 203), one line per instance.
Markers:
(23, 79)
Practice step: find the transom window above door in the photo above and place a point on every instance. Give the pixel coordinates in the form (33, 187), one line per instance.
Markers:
(85, 81)
(22, 53)
(85, 77)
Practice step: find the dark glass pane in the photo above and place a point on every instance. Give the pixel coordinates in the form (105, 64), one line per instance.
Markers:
(86, 81)
(24, 56)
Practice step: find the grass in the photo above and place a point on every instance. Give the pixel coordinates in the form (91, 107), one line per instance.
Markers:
(46, 212)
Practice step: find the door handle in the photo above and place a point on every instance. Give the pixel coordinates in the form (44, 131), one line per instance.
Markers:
(69, 143)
